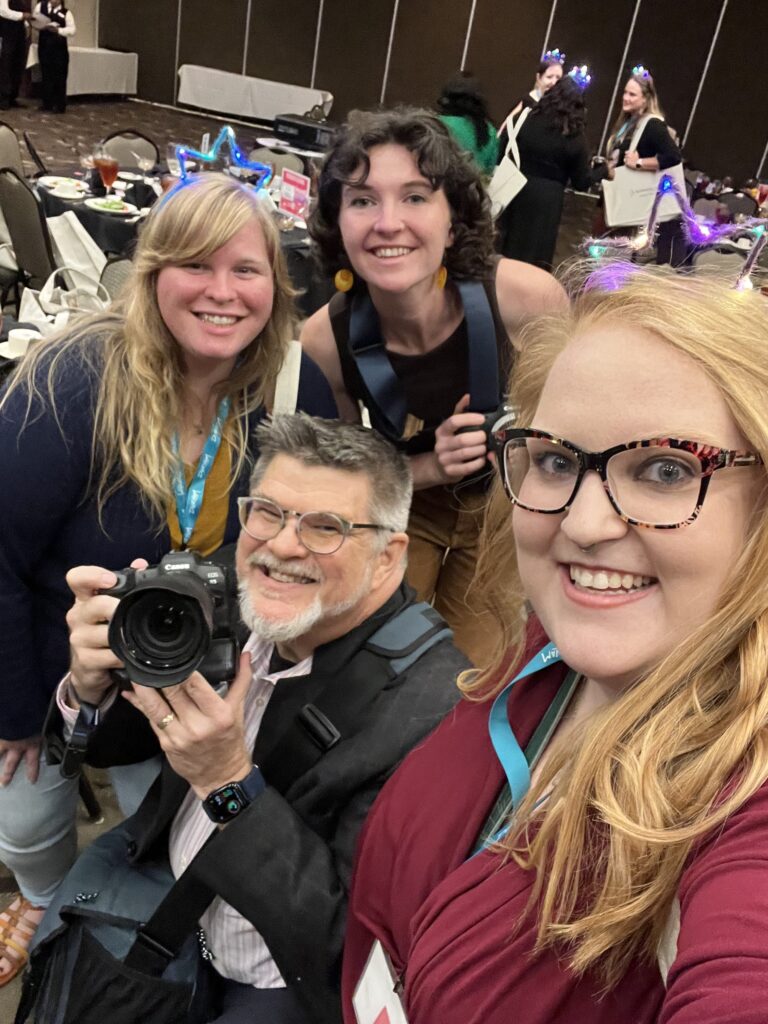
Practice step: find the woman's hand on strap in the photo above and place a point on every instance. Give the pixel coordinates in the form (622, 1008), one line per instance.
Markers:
(13, 752)
(459, 449)
(88, 619)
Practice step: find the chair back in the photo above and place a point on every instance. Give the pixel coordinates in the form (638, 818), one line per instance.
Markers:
(718, 263)
(10, 150)
(127, 145)
(115, 275)
(36, 158)
(262, 154)
(290, 160)
(706, 208)
(27, 228)
(739, 203)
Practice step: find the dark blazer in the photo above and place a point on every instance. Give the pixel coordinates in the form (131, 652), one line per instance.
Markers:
(49, 522)
(285, 863)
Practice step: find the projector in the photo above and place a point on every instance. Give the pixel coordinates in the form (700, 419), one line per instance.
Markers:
(304, 132)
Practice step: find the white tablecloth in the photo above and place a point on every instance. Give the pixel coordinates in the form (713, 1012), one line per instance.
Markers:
(227, 93)
(97, 71)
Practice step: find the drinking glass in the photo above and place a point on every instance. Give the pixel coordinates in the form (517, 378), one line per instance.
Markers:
(172, 160)
(107, 167)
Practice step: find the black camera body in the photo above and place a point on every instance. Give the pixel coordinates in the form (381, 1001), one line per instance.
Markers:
(175, 618)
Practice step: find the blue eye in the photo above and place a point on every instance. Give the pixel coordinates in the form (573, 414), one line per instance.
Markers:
(666, 471)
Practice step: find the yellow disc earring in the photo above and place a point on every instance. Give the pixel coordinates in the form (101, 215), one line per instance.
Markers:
(343, 280)
(442, 277)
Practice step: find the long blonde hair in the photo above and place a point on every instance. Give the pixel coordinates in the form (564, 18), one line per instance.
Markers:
(139, 405)
(670, 759)
(652, 106)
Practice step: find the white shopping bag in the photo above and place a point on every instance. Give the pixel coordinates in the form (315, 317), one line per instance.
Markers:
(74, 249)
(508, 179)
(51, 308)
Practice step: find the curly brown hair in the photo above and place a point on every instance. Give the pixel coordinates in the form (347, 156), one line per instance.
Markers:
(441, 162)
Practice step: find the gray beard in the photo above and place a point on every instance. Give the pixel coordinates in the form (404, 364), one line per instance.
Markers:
(301, 623)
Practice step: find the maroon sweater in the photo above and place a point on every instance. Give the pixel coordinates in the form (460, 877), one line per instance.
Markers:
(446, 918)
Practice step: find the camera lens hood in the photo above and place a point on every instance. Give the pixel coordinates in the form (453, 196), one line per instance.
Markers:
(161, 630)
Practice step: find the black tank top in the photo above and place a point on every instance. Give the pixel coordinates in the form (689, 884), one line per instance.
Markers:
(433, 381)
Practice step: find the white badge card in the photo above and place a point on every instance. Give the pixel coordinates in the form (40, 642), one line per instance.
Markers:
(376, 1000)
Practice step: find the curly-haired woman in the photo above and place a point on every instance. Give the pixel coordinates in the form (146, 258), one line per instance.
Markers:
(423, 331)
(129, 435)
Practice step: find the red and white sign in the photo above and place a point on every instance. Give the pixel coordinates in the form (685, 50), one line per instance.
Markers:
(294, 193)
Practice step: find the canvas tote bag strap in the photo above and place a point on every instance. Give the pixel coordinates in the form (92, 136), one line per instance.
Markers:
(512, 151)
(641, 124)
(287, 384)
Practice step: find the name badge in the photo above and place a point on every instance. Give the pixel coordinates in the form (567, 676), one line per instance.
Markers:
(376, 999)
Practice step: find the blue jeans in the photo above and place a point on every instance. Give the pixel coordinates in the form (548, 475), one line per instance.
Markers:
(38, 835)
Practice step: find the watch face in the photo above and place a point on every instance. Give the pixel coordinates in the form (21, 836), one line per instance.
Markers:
(226, 803)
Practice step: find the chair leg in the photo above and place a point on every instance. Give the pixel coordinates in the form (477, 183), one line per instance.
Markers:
(92, 805)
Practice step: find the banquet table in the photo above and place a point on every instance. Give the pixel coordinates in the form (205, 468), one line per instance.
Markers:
(96, 71)
(259, 98)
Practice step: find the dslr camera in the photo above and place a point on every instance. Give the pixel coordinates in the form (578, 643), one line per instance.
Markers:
(175, 618)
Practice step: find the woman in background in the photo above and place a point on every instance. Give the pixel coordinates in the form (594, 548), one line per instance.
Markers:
(464, 112)
(53, 53)
(549, 71)
(553, 153)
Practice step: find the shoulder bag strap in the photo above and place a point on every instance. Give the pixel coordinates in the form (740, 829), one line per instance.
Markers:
(641, 124)
(512, 151)
(287, 383)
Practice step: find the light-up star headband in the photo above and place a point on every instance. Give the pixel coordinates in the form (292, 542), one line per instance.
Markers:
(698, 233)
(580, 75)
(553, 57)
(225, 138)
(638, 71)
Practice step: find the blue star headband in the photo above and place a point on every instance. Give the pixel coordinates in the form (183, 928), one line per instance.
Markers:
(638, 71)
(580, 75)
(698, 233)
(225, 139)
(554, 57)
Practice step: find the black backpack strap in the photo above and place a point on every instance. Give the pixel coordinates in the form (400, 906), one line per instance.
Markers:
(335, 713)
(484, 391)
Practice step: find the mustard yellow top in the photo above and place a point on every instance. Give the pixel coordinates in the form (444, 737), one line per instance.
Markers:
(208, 534)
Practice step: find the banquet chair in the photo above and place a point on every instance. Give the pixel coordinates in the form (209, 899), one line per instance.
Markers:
(718, 263)
(36, 158)
(27, 229)
(262, 155)
(738, 203)
(706, 208)
(126, 145)
(115, 275)
(290, 160)
(10, 150)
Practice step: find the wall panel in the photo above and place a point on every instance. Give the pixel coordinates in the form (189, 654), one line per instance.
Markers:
(282, 50)
(427, 49)
(504, 49)
(213, 42)
(353, 52)
(146, 27)
(728, 132)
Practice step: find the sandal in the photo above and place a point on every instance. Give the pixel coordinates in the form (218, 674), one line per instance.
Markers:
(18, 924)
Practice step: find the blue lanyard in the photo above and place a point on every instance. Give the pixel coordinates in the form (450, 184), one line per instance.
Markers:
(508, 750)
(189, 500)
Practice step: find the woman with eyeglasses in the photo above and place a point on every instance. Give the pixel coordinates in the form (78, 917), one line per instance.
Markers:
(585, 838)
(130, 434)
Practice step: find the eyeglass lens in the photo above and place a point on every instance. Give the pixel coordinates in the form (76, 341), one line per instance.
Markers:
(657, 486)
(321, 532)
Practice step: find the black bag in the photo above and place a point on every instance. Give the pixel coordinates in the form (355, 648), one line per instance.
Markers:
(93, 959)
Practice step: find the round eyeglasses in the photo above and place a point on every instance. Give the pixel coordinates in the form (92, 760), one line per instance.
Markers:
(658, 483)
(319, 532)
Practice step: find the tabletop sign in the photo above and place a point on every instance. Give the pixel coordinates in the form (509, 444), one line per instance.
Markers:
(375, 999)
(294, 193)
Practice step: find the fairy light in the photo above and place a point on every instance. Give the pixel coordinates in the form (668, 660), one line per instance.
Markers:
(580, 75)
(638, 71)
(226, 139)
(555, 56)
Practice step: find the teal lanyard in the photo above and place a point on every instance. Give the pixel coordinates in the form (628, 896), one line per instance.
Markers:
(189, 500)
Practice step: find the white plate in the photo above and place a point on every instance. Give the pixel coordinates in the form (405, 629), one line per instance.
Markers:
(97, 203)
(130, 176)
(66, 195)
(52, 181)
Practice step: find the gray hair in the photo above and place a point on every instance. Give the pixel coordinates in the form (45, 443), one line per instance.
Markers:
(346, 446)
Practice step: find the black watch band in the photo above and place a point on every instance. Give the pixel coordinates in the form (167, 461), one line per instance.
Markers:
(225, 803)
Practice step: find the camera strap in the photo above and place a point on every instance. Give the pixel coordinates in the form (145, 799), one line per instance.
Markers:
(367, 348)
(189, 499)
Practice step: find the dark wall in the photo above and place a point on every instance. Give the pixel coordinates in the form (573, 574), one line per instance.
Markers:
(671, 37)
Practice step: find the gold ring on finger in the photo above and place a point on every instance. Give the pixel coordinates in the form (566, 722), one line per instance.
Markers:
(166, 720)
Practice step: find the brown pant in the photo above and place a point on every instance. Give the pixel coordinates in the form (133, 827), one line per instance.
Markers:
(442, 556)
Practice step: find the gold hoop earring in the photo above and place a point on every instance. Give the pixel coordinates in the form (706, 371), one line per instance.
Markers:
(441, 278)
(343, 280)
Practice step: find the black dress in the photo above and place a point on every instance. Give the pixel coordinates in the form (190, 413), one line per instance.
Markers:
(53, 54)
(13, 54)
(528, 227)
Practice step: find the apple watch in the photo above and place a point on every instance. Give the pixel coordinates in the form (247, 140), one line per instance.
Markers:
(225, 803)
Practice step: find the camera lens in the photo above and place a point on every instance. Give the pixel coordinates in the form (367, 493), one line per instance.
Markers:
(162, 633)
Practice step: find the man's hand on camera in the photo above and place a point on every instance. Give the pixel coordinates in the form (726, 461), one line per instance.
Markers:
(201, 733)
(88, 620)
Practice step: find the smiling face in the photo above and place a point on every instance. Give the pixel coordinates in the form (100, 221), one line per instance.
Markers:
(216, 307)
(293, 596)
(617, 598)
(632, 100)
(547, 79)
(394, 227)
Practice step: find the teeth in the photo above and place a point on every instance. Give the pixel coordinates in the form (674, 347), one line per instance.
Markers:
(607, 581)
(283, 577)
(220, 321)
(384, 253)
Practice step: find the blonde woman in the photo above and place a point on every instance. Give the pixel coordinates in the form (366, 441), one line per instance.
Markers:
(595, 848)
(102, 433)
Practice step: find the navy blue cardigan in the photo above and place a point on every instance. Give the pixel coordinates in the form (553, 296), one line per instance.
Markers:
(49, 523)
